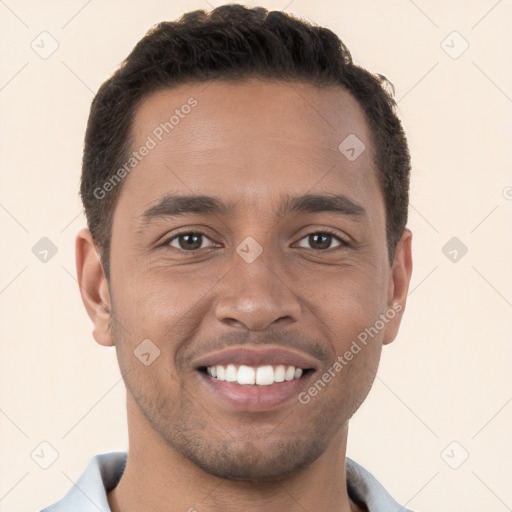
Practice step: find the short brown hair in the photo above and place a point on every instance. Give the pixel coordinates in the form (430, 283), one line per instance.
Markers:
(234, 42)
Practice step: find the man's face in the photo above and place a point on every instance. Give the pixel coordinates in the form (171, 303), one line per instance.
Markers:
(196, 284)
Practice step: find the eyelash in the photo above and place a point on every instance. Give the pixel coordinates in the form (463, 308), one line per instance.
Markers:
(343, 243)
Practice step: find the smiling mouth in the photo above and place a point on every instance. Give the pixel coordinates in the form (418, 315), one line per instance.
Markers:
(264, 375)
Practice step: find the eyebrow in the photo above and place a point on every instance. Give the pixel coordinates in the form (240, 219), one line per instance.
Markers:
(178, 205)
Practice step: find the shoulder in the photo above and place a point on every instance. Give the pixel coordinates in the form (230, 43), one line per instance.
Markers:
(89, 492)
(363, 487)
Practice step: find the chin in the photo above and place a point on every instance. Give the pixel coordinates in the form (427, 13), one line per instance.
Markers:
(250, 463)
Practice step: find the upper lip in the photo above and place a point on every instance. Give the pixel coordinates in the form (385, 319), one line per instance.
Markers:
(256, 357)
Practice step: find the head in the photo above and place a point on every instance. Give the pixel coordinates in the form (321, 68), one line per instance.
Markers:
(289, 148)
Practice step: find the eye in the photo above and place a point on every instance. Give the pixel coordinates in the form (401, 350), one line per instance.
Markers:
(189, 241)
(322, 240)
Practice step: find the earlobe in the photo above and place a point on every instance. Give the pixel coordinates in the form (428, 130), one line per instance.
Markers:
(400, 278)
(93, 287)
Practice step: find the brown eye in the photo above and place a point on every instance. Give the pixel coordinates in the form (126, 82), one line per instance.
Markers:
(322, 241)
(188, 241)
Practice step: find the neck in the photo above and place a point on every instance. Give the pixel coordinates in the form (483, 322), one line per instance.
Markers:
(157, 477)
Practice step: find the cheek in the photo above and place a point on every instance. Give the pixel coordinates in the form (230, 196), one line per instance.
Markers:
(162, 306)
(349, 300)
(348, 308)
(153, 296)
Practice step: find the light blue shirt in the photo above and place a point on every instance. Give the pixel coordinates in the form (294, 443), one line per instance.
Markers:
(104, 471)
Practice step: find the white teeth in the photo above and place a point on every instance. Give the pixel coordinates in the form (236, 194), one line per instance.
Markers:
(231, 373)
(290, 373)
(265, 375)
(261, 376)
(279, 373)
(221, 373)
(246, 375)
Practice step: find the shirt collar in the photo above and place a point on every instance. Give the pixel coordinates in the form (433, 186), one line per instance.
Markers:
(103, 472)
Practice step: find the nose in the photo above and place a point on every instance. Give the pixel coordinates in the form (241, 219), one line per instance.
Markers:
(256, 295)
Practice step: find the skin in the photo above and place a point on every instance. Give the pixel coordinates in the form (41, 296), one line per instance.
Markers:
(250, 143)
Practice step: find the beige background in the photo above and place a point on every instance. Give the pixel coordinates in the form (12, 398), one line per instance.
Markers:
(447, 376)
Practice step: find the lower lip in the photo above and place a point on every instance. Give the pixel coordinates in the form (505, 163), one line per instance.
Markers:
(254, 398)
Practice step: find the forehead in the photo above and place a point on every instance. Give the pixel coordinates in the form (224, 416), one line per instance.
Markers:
(254, 141)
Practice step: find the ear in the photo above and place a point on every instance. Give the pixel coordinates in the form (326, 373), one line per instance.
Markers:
(400, 278)
(93, 286)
